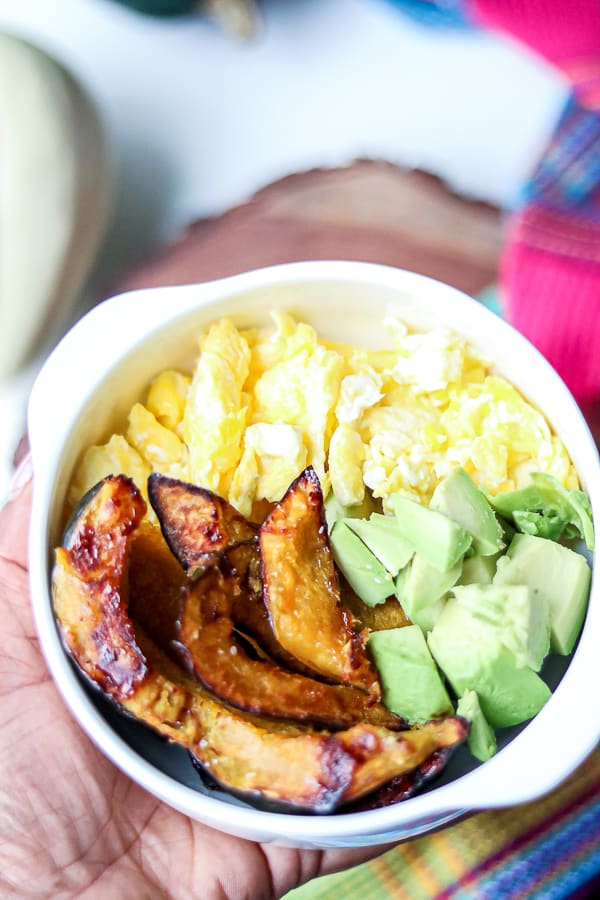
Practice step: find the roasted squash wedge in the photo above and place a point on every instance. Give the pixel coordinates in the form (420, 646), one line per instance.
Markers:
(155, 588)
(199, 527)
(267, 760)
(306, 770)
(86, 588)
(262, 759)
(223, 666)
(196, 523)
(404, 786)
(302, 593)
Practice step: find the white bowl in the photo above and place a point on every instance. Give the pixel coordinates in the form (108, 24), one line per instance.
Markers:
(87, 388)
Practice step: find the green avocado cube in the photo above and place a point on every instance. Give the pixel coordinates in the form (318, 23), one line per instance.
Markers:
(458, 497)
(383, 537)
(481, 740)
(361, 568)
(438, 539)
(472, 656)
(547, 509)
(422, 590)
(557, 576)
(411, 683)
(521, 621)
(478, 570)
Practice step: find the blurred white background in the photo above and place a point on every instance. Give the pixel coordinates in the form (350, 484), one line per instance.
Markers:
(197, 121)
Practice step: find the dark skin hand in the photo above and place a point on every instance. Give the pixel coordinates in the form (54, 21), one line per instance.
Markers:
(70, 823)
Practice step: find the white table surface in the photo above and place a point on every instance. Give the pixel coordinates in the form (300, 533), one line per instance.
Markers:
(198, 121)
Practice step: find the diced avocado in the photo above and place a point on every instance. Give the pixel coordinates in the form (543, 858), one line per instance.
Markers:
(478, 570)
(508, 530)
(471, 655)
(362, 570)
(481, 740)
(411, 683)
(426, 617)
(433, 535)
(521, 621)
(547, 509)
(382, 536)
(459, 498)
(335, 511)
(421, 591)
(556, 575)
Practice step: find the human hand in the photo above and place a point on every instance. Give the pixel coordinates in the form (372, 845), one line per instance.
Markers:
(70, 822)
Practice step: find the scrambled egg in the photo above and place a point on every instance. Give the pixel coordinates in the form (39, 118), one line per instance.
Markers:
(261, 406)
(216, 411)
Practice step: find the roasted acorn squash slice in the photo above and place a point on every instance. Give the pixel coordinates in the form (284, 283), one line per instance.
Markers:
(302, 593)
(199, 528)
(196, 523)
(223, 666)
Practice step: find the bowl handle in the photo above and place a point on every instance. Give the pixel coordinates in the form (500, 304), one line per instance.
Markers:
(562, 735)
(79, 360)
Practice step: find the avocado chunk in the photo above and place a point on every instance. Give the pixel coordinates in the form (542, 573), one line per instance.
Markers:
(478, 570)
(361, 568)
(411, 683)
(547, 509)
(383, 537)
(481, 740)
(459, 498)
(334, 511)
(427, 616)
(557, 576)
(439, 540)
(521, 621)
(422, 590)
(472, 656)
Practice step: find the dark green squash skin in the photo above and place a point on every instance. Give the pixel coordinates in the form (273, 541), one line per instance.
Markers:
(162, 7)
(74, 517)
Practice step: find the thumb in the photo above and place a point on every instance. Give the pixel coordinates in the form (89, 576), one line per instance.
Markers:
(14, 516)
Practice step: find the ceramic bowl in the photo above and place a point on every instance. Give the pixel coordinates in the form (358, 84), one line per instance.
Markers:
(86, 390)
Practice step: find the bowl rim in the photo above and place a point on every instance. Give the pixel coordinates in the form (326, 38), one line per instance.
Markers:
(486, 786)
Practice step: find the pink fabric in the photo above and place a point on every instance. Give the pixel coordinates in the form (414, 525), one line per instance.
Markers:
(550, 275)
(563, 31)
(555, 303)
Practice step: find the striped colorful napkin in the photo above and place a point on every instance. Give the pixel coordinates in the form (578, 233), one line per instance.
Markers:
(545, 850)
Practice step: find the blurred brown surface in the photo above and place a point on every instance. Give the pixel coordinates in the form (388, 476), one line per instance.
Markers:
(372, 211)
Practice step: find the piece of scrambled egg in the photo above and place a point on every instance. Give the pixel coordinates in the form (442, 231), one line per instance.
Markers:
(261, 406)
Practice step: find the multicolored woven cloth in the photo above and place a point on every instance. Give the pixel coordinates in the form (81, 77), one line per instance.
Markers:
(546, 850)
(550, 273)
